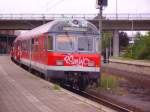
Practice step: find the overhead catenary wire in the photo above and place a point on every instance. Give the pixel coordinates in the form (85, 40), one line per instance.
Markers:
(54, 5)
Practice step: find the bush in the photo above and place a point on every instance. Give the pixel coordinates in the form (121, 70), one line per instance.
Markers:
(140, 49)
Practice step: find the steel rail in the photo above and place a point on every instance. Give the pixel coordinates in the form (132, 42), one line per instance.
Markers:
(99, 100)
(106, 102)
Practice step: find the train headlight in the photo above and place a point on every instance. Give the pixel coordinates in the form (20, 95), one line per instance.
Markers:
(91, 63)
(59, 62)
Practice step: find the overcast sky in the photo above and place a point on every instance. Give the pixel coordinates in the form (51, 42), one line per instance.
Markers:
(72, 6)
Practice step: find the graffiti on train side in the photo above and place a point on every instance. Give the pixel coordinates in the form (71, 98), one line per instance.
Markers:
(81, 61)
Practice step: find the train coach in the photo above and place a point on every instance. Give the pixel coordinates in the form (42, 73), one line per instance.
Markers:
(67, 50)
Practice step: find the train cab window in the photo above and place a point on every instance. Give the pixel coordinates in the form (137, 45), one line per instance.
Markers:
(50, 43)
(85, 44)
(65, 43)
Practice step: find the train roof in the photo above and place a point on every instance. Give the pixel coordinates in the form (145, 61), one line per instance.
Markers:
(55, 26)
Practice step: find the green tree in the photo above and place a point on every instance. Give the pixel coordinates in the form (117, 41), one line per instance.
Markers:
(106, 39)
(123, 40)
(141, 47)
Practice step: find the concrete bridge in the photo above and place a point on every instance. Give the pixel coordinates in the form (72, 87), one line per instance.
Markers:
(110, 22)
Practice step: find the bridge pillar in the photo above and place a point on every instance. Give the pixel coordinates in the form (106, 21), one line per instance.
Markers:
(116, 43)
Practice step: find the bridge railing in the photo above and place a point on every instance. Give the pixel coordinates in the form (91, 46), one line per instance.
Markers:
(142, 16)
(44, 16)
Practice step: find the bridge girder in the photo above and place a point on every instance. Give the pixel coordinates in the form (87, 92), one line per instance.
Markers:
(108, 25)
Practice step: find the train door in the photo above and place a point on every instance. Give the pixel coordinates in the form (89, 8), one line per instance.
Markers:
(18, 54)
(48, 47)
(44, 49)
(43, 54)
(42, 57)
(31, 43)
(45, 43)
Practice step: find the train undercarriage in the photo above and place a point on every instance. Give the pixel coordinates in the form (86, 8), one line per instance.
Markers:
(79, 80)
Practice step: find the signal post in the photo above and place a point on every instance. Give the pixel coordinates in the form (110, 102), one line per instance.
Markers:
(99, 5)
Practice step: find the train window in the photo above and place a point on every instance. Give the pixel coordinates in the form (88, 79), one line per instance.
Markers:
(32, 40)
(45, 42)
(65, 43)
(23, 45)
(85, 44)
(28, 44)
(32, 44)
(36, 44)
(50, 43)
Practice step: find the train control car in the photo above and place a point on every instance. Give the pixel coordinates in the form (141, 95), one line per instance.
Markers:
(67, 50)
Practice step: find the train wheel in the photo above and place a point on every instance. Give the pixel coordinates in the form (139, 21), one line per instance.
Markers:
(94, 83)
(97, 82)
(29, 69)
(82, 83)
(61, 82)
(75, 84)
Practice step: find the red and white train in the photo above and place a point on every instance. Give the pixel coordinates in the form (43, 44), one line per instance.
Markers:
(62, 49)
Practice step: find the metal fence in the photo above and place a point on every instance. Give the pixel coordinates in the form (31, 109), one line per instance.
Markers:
(142, 16)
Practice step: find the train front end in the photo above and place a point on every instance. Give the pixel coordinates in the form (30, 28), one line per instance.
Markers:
(74, 57)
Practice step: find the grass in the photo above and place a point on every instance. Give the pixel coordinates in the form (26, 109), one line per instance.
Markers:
(108, 82)
(56, 87)
(123, 58)
(131, 59)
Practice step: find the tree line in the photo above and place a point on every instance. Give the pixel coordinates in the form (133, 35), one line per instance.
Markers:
(140, 49)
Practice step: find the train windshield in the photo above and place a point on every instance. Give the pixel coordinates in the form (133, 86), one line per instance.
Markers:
(77, 43)
(65, 43)
(85, 44)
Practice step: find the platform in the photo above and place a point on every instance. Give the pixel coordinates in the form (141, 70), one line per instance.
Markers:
(21, 91)
(142, 63)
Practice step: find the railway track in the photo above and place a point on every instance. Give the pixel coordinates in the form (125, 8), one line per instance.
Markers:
(99, 100)
(105, 102)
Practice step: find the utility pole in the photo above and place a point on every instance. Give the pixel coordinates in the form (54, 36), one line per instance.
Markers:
(116, 10)
(100, 25)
